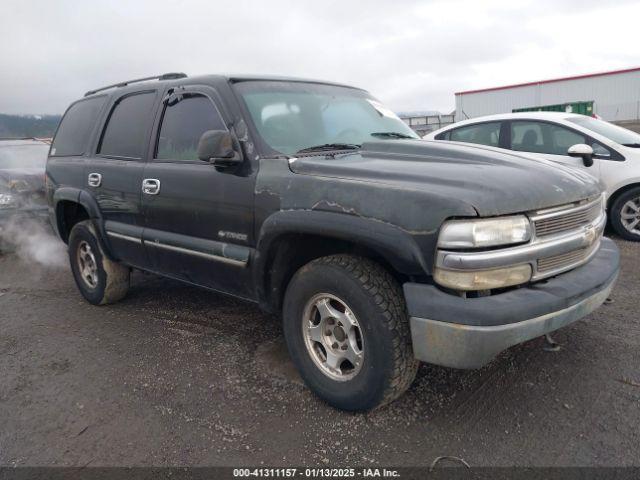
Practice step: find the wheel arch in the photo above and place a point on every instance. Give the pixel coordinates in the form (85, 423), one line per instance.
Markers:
(73, 205)
(621, 191)
(289, 240)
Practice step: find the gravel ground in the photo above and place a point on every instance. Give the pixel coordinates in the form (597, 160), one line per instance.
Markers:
(174, 375)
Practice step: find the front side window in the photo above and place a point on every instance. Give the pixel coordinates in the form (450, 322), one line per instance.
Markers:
(542, 137)
(76, 125)
(481, 133)
(292, 116)
(183, 123)
(126, 132)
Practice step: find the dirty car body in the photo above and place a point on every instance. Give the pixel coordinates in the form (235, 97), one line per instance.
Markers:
(488, 249)
(22, 168)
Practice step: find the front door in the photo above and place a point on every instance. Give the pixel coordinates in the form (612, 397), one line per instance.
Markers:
(114, 173)
(198, 217)
(551, 141)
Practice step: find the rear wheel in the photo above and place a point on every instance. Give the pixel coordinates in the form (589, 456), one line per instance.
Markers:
(347, 331)
(625, 215)
(99, 279)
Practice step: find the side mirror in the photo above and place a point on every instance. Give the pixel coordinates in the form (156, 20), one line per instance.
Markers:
(219, 147)
(582, 150)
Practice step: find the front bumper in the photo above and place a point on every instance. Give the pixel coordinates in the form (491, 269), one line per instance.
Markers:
(469, 332)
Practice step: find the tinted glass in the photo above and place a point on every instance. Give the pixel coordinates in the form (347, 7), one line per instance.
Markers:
(542, 137)
(23, 156)
(125, 133)
(183, 124)
(291, 116)
(482, 133)
(73, 134)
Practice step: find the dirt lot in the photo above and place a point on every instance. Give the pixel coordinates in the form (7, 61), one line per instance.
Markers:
(174, 375)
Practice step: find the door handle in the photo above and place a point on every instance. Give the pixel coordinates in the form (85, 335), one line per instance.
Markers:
(94, 179)
(151, 186)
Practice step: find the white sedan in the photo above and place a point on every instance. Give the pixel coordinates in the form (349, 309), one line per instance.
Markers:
(608, 152)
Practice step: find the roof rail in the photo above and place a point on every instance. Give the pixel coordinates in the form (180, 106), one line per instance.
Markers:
(165, 76)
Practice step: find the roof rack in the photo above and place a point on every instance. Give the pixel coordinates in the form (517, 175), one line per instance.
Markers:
(166, 76)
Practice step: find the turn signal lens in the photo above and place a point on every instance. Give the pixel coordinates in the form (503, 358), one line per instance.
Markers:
(483, 279)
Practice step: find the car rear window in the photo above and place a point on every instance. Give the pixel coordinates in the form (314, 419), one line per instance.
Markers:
(126, 132)
(74, 130)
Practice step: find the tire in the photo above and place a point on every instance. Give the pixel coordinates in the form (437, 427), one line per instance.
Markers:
(356, 288)
(622, 213)
(100, 280)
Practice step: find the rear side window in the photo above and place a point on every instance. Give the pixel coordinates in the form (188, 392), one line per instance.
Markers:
(481, 133)
(183, 124)
(126, 132)
(73, 133)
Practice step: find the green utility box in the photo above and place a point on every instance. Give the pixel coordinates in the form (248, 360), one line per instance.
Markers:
(584, 108)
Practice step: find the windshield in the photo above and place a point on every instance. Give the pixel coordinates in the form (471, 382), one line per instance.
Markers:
(23, 156)
(612, 132)
(294, 116)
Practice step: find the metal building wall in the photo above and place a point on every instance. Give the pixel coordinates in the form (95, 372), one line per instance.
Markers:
(616, 96)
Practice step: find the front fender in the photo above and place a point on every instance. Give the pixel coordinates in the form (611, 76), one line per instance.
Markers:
(398, 247)
(395, 245)
(624, 184)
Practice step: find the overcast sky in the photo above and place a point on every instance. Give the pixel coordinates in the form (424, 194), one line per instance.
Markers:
(412, 55)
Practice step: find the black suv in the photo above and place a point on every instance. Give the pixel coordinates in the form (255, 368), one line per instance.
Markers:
(314, 200)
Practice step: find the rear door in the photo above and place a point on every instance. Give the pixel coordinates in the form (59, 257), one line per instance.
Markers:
(114, 172)
(199, 218)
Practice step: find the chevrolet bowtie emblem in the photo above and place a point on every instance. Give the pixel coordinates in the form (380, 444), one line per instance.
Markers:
(590, 235)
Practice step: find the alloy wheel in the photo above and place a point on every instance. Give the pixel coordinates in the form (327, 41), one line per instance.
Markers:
(87, 265)
(333, 337)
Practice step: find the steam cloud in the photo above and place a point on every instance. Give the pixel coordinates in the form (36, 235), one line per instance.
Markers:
(34, 242)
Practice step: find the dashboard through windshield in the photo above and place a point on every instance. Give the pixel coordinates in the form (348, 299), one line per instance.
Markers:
(296, 116)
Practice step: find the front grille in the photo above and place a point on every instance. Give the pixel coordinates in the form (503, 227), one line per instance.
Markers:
(558, 262)
(572, 219)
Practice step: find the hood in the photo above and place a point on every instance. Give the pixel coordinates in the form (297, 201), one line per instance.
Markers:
(492, 181)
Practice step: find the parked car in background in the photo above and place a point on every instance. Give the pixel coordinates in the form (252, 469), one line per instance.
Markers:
(608, 152)
(22, 165)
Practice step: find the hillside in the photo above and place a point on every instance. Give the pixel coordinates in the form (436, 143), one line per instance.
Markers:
(42, 126)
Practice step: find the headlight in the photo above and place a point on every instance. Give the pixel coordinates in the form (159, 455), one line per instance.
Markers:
(489, 232)
(7, 200)
(483, 279)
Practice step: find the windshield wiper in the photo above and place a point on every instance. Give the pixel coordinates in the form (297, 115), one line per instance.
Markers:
(632, 145)
(391, 135)
(330, 146)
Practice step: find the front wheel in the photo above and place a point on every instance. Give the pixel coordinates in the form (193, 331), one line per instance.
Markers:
(347, 331)
(625, 215)
(99, 279)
